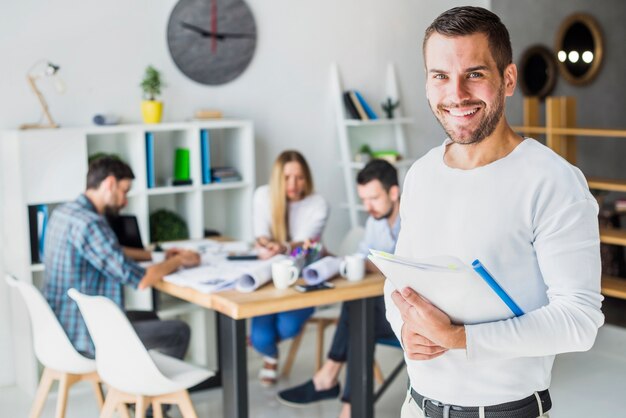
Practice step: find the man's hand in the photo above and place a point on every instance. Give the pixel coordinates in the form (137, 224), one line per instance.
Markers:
(427, 331)
(188, 258)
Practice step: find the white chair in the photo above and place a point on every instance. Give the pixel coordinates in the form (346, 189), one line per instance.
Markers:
(55, 351)
(133, 374)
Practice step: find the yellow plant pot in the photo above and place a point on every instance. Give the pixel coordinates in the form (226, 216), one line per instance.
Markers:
(151, 110)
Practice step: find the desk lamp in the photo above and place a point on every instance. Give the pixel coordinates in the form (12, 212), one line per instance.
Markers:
(41, 69)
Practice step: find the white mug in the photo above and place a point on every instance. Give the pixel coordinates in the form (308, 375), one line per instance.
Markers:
(353, 267)
(284, 274)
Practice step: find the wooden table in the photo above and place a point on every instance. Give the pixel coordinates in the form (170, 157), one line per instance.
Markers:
(234, 308)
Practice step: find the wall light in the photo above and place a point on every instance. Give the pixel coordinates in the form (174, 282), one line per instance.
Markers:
(573, 56)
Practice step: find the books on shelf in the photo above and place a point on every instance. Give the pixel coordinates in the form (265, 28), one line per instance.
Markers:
(205, 151)
(347, 100)
(370, 113)
(151, 180)
(357, 107)
(225, 174)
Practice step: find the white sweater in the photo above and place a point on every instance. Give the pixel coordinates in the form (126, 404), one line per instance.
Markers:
(307, 217)
(529, 217)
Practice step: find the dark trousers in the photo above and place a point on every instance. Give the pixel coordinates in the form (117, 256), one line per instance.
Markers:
(339, 348)
(169, 337)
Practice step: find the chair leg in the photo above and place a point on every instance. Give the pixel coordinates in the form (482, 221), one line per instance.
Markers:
(378, 373)
(141, 406)
(110, 403)
(95, 382)
(65, 382)
(122, 410)
(186, 406)
(321, 327)
(47, 378)
(157, 411)
(293, 351)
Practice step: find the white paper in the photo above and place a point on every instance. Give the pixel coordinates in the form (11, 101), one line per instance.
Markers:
(258, 275)
(321, 270)
(217, 274)
(447, 283)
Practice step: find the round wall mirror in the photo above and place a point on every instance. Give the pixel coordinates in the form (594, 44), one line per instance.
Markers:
(579, 48)
(537, 69)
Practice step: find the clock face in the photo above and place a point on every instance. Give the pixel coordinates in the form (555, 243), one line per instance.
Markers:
(211, 41)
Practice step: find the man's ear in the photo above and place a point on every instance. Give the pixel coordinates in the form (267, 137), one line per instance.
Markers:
(510, 79)
(394, 193)
(108, 183)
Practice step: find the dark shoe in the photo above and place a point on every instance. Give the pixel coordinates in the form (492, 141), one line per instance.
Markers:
(304, 394)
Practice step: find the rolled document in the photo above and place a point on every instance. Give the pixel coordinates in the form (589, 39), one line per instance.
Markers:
(321, 270)
(256, 277)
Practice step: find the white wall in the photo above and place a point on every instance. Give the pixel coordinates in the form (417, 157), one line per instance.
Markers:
(104, 46)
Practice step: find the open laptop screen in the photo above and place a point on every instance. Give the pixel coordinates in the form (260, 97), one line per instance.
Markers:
(126, 229)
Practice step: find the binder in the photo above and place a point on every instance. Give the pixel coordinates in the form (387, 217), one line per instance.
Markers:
(151, 182)
(205, 154)
(448, 283)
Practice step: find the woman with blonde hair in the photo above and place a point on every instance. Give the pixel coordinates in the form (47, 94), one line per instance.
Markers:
(287, 213)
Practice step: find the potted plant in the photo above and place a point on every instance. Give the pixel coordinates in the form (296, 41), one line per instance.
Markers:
(151, 109)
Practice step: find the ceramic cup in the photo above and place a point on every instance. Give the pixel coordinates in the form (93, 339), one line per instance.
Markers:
(284, 273)
(353, 267)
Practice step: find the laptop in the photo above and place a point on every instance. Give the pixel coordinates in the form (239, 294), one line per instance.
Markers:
(126, 229)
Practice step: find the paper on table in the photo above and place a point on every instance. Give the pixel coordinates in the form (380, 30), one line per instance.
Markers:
(321, 270)
(255, 277)
(446, 282)
(221, 274)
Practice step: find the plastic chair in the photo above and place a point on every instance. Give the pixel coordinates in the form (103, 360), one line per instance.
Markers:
(54, 350)
(133, 374)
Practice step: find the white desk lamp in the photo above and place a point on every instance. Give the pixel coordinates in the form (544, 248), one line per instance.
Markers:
(41, 69)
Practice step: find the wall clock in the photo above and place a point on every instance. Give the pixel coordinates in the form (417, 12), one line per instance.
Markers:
(211, 41)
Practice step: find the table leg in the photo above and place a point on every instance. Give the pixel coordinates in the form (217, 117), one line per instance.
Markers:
(361, 357)
(233, 365)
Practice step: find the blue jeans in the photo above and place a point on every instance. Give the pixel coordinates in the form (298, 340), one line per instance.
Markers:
(267, 330)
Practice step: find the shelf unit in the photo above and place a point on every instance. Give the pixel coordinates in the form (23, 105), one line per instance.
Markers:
(561, 135)
(352, 133)
(49, 167)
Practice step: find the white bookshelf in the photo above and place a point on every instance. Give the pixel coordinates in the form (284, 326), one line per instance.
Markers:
(50, 166)
(377, 133)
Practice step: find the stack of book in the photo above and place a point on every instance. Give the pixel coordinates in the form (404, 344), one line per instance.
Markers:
(357, 107)
(225, 174)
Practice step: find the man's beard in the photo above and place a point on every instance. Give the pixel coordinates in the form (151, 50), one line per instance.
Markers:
(111, 211)
(487, 124)
(386, 215)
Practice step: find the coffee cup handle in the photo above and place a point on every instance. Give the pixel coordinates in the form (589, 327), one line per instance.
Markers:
(343, 269)
(294, 275)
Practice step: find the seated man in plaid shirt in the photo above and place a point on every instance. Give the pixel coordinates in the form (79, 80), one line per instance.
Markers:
(83, 252)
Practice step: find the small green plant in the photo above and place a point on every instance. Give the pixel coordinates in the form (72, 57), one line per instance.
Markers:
(152, 83)
(365, 149)
(166, 225)
(389, 106)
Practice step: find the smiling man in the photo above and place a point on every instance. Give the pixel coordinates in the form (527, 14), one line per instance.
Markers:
(486, 193)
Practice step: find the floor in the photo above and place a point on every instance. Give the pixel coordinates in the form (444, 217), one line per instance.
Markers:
(584, 385)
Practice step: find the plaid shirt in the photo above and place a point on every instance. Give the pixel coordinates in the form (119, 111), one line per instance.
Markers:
(82, 252)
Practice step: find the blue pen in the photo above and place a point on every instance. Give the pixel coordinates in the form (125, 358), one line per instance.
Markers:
(488, 278)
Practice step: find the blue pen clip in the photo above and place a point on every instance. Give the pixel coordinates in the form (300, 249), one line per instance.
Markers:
(488, 278)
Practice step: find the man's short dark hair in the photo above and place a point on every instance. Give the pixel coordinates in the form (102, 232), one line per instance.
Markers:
(380, 170)
(103, 167)
(468, 20)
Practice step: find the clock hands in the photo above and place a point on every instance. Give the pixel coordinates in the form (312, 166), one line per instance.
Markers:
(215, 35)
